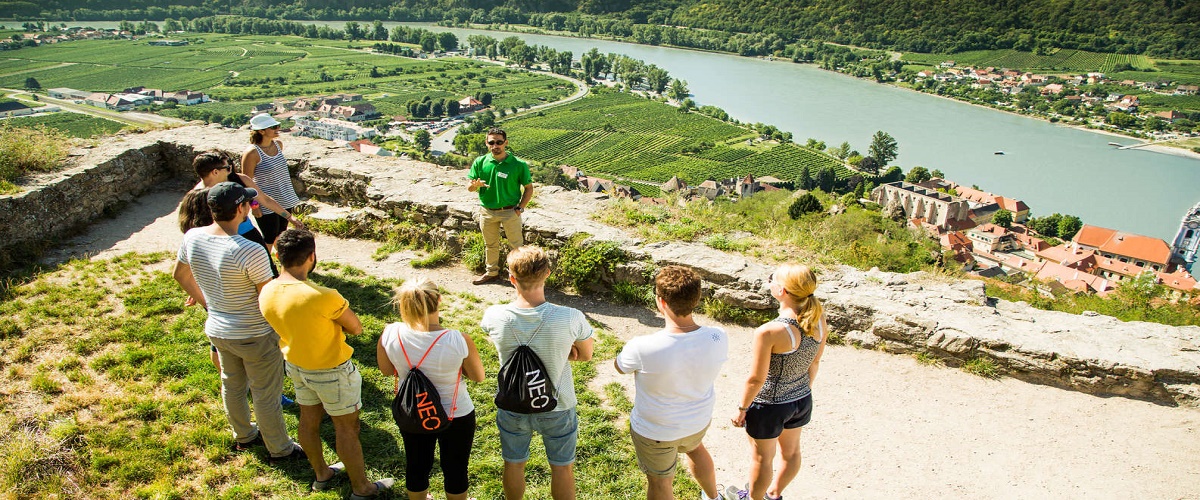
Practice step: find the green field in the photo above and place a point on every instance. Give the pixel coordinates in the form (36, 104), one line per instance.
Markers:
(1080, 61)
(622, 135)
(73, 124)
(245, 70)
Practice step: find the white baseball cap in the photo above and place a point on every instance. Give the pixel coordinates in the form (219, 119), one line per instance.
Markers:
(262, 121)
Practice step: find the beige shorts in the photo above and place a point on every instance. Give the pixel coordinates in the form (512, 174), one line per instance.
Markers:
(338, 389)
(660, 458)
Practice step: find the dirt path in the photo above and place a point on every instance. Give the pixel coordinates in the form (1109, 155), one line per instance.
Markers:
(884, 426)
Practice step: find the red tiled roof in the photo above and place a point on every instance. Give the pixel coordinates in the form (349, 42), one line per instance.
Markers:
(1134, 246)
(1074, 279)
(1122, 268)
(1179, 280)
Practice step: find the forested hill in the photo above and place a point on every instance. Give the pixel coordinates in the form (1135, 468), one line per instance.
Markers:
(1161, 28)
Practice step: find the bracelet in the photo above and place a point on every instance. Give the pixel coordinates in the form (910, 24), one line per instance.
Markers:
(743, 408)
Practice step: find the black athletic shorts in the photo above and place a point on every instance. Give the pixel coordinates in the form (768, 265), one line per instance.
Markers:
(764, 421)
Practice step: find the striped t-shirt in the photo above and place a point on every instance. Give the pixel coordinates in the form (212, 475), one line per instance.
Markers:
(228, 270)
(273, 177)
(509, 326)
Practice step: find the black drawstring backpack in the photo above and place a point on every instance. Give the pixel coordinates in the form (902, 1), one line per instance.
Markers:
(417, 407)
(524, 385)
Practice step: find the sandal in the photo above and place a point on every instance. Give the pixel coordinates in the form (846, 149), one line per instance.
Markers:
(381, 486)
(338, 469)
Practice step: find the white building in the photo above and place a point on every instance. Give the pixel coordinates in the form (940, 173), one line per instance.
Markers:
(1187, 241)
(332, 130)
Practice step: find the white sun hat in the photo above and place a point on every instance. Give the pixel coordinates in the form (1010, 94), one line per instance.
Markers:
(262, 121)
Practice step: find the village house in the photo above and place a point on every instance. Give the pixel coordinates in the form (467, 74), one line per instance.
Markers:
(674, 184)
(1171, 116)
(1142, 251)
(469, 104)
(14, 108)
(985, 205)
(68, 93)
(1071, 279)
(1187, 89)
(328, 129)
(991, 238)
(365, 146)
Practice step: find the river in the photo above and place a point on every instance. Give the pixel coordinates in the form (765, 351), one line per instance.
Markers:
(1053, 168)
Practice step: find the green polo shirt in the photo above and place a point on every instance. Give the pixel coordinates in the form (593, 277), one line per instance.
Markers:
(504, 180)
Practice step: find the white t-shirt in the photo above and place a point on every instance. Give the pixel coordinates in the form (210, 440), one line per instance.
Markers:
(440, 366)
(674, 375)
(228, 270)
(509, 326)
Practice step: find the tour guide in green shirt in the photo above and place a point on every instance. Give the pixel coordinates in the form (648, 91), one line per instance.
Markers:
(505, 187)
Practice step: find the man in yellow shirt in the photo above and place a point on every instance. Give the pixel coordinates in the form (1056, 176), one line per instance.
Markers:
(312, 322)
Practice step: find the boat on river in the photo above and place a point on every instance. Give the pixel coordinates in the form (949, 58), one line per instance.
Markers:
(998, 153)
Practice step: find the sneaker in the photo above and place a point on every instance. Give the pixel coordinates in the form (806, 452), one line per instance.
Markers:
(338, 470)
(485, 278)
(734, 493)
(296, 455)
(257, 441)
(286, 401)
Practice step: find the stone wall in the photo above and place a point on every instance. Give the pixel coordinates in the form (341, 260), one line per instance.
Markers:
(102, 179)
(903, 313)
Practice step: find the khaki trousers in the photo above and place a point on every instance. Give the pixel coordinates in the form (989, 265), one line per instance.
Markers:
(490, 222)
(255, 364)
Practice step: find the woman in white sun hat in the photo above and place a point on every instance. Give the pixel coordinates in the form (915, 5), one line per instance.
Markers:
(265, 163)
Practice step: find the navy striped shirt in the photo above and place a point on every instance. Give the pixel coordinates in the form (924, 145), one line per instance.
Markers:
(273, 177)
(228, 270)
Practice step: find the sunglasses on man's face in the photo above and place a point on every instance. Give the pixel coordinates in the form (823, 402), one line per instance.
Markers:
(495, 143)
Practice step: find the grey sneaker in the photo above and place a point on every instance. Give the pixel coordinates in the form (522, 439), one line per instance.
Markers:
(734, 493)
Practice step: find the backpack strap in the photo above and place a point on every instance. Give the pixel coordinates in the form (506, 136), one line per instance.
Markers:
(532, 335)
(457, 381)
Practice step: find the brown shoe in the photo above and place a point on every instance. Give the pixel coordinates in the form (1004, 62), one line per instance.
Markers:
(485, 278)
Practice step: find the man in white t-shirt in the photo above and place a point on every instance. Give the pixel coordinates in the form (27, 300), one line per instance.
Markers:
(674, 371)
(558, 335)
(224, 273)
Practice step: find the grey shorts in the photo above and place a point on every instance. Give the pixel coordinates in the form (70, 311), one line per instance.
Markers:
(337, 389)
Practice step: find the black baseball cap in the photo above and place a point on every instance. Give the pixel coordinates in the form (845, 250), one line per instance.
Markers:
(228, 195)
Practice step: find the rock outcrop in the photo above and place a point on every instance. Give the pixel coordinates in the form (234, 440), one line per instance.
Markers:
(902, 313)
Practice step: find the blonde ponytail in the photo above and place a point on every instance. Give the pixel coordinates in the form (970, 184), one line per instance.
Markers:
(800, 283)
(416, 299)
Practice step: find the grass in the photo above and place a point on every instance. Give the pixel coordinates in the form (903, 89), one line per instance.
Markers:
(71, 124)
(109, 393)
(927, 359)
(28, 150)
(1117, 305)
(858, 237)
(983, 367)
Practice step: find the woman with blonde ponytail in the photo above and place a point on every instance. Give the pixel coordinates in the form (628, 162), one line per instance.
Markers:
(446, 357)
(777, 401)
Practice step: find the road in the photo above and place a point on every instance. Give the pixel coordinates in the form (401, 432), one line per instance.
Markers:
(129, 117)
(444, 142)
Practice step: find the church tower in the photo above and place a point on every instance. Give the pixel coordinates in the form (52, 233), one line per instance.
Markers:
(1187, 241)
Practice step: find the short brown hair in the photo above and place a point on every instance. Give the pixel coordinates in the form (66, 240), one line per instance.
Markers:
(679, 288)
(207, 161)
(498, 131)
(529, 265)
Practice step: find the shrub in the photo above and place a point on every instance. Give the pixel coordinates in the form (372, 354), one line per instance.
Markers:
(581, 263)
(474, 252)
(721, 311)
(437, 257)
(25, 150)
(805, 204)
(628, 293)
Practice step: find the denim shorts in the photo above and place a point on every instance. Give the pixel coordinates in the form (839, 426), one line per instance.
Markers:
(559, 430)
(338, 389)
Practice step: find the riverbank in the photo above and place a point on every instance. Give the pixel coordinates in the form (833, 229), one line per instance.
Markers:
(1165, 148)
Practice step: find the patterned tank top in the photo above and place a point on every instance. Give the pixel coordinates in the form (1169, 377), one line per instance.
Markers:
(787, 375)
(273, 178)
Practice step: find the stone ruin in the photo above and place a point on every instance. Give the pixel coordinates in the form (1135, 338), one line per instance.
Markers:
(902, 313)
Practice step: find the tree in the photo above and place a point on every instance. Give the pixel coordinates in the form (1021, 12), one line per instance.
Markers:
(917, 175)
(869, 165)
(1068, 226)
(935, 173)
(447, 41)
(552, 176)
(378, 31)
(883, 147)
(1119, 119)
(679, 90)
(657, 78)
(805, 204)
(428, 42)
(1154, 124)
(422, 139)
(32, 83)
(1046, 226)
(841, 152)
(485, 98)
(1002, 218)
(805, 180)
(353, 30)
(825, 179)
